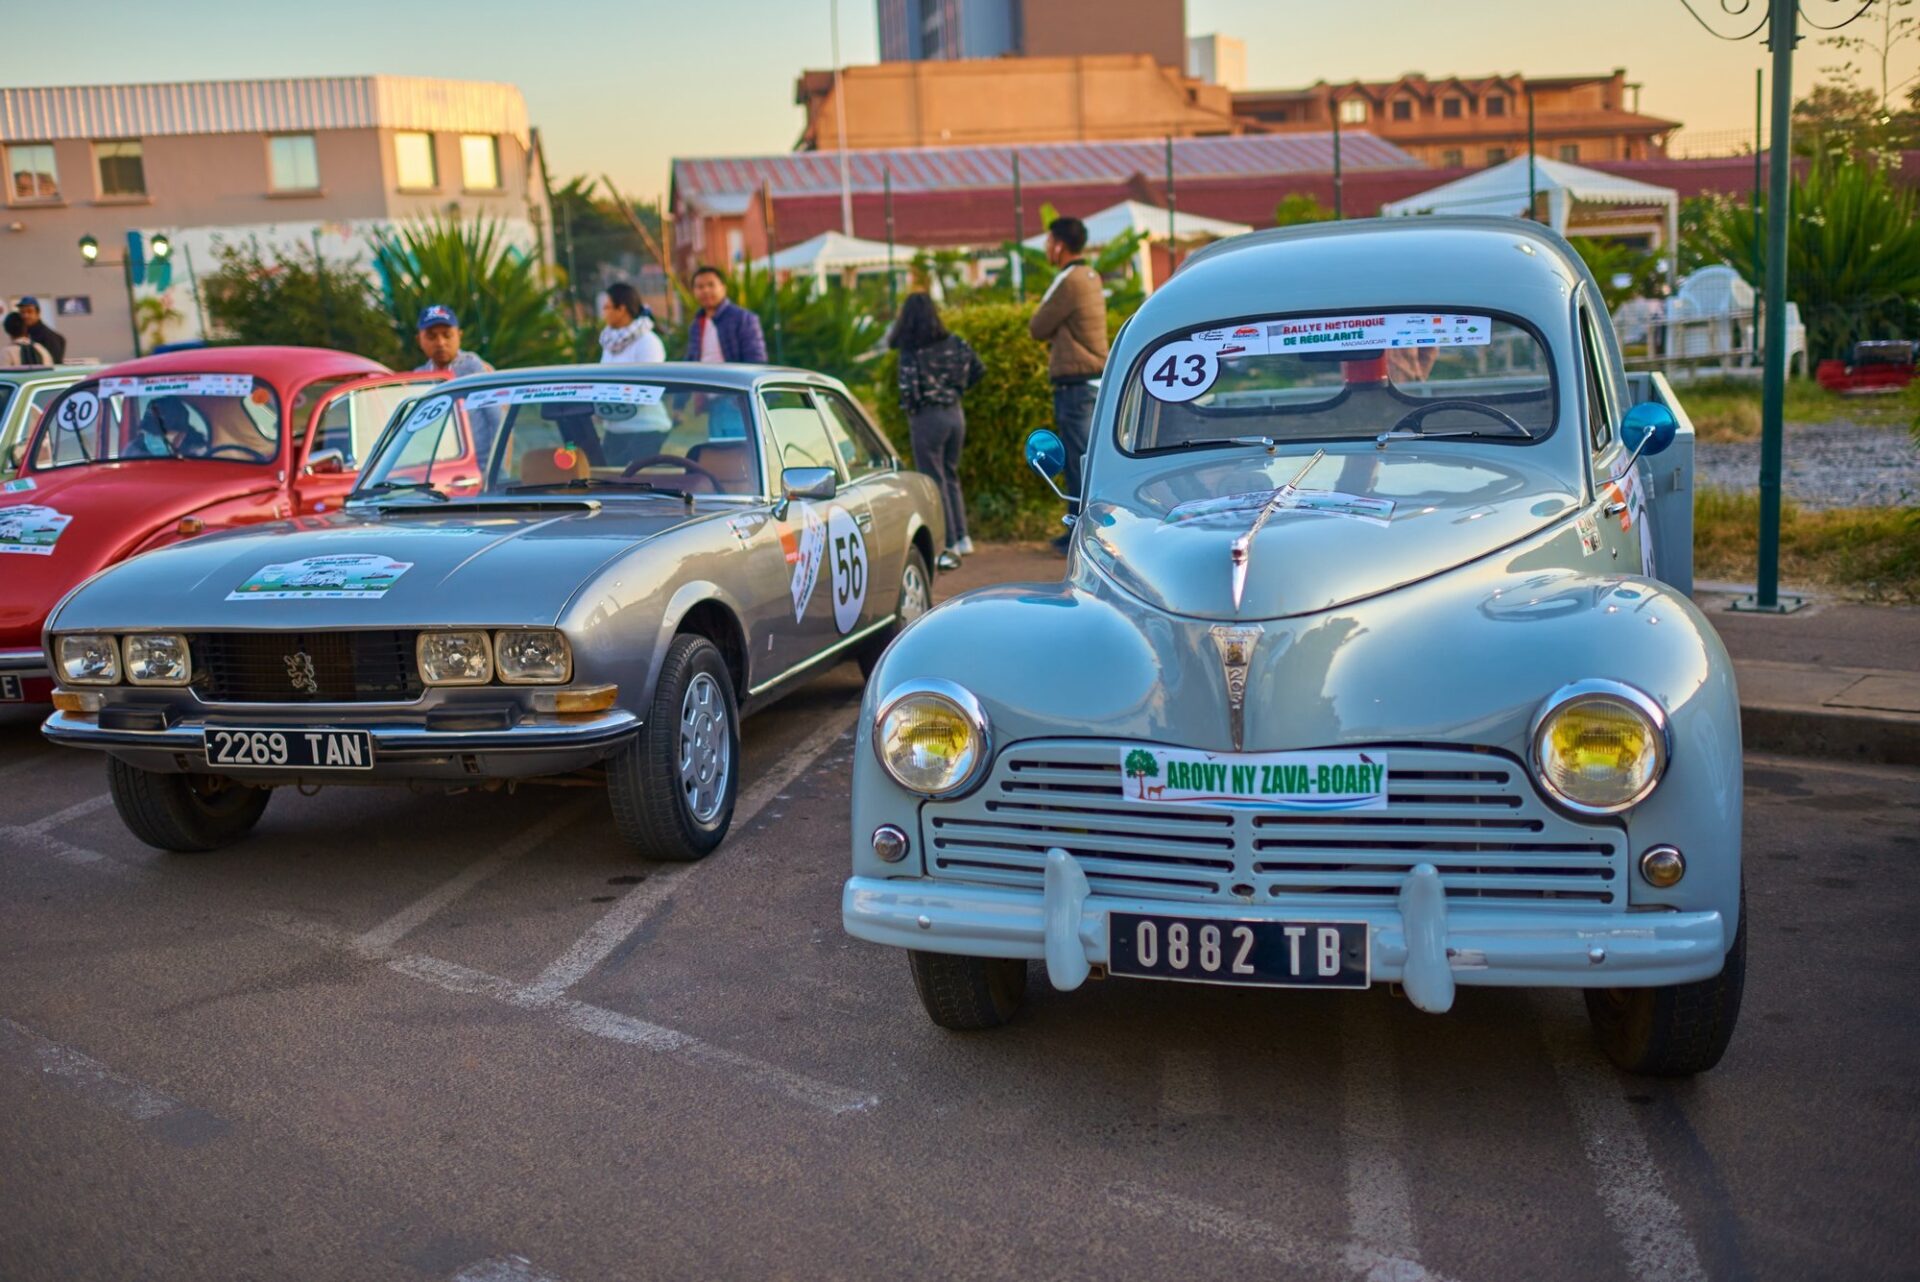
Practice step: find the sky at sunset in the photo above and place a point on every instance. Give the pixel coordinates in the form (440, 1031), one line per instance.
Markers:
(621, 86)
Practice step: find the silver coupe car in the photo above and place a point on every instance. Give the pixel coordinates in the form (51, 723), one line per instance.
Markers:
(549, 572)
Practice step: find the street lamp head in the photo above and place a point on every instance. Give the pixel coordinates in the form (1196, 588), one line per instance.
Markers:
(89, 248)
(160, 246)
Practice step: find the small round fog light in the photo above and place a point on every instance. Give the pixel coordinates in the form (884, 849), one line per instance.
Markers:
(889, 843)
(1663, 866)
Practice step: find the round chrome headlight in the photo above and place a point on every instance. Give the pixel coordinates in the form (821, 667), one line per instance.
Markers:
(932, 737)
(1600, 747)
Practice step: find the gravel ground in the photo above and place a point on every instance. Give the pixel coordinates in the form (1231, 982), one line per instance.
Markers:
(1832, 464)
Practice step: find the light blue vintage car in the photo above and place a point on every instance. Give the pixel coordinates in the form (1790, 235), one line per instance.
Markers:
(1374, 663)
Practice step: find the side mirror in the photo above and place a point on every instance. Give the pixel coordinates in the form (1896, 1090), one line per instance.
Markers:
(326, 463)
(1047, 456)
(817, 483)
(1648, 428)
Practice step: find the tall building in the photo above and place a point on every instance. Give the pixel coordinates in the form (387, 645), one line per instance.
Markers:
(1452, 122)
(946, 30)
(1218, 60)
(313, 165)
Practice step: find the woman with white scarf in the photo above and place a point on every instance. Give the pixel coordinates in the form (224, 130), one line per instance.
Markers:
(628, 338)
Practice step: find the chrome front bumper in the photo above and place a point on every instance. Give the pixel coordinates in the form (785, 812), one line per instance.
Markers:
(1420, 943)
(538, 745)
(25, 663)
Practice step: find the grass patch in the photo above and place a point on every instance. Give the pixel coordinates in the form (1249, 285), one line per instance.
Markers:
(1728, 409)
(1873, 553)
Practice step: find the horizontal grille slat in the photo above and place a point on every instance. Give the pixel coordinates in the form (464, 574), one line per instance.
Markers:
(305, 667)
(1475, 816)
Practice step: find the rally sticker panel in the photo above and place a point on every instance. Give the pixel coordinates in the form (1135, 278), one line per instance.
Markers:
(235, 385)
(805, 543)
(578, 393)
(1299, 781)
(27, 529)
(346, 576)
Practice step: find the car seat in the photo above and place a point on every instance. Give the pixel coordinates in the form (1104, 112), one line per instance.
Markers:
(730, 462)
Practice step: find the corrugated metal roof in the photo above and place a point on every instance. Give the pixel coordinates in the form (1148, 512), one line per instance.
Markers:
(918, 169)
(261, 106)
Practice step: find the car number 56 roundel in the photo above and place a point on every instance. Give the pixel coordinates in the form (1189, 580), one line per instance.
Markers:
(847, 550)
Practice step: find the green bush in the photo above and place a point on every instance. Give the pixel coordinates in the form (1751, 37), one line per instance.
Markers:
(1005, 500)
(293, 297)
(506, 303)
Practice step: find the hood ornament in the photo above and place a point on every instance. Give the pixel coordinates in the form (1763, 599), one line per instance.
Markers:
(1242, 549)
(1235, 644)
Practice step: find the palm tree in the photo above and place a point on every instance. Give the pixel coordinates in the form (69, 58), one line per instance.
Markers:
(506, 302)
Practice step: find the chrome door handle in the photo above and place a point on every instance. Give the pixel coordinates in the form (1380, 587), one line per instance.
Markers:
(1614, 509)
(864, 520)
(464, 482)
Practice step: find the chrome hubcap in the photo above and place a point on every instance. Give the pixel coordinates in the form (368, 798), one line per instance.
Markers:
(706, 748)
(915, 598)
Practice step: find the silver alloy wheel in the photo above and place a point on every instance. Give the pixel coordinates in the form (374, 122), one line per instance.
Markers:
(916, 598)
(705, 748)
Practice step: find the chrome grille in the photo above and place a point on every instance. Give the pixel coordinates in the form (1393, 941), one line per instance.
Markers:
(346, 667)
(1473, 815)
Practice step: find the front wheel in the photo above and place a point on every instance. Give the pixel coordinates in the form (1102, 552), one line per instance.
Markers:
(916, 598)
(967, 994)
(1675, 1031)
(672, 787)
(185, 814)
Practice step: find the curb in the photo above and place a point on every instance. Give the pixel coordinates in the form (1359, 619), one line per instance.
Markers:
(1860, 735)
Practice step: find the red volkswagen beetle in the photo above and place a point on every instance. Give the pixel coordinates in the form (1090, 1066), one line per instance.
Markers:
(153, 451)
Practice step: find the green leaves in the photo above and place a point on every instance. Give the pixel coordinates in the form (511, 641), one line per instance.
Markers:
(287, 296)
(506, 304)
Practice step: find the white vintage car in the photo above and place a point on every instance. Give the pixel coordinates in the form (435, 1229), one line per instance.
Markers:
(1374, 663)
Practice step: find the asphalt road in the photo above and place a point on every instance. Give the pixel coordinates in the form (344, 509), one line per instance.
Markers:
(430, 1037)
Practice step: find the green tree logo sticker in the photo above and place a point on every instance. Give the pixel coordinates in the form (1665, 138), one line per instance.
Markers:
(1141, 765)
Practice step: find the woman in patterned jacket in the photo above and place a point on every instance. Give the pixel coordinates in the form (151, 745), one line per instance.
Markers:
(936, 369)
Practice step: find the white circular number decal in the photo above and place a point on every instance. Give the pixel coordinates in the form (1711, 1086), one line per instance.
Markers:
(428, 412)
(847, 553)
(1181, 371)
(78, 411)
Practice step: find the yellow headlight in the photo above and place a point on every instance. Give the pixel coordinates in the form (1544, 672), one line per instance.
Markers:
(1600, 749)
(932, 738)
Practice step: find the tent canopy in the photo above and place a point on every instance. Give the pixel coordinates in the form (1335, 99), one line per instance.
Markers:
(1116, 221)
(831, 251)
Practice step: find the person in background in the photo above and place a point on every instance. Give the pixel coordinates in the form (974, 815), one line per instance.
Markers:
(722, 330)
(1072, 321)
(439, 335)
(19, 349)
(936, 369)
(628, 338)
(41, 332)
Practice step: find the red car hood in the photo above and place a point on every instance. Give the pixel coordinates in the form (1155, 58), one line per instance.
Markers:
(90, 518)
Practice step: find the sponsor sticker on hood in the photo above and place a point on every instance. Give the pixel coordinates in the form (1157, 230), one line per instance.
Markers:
(347, 576)
(30, 530)
(1302, 781)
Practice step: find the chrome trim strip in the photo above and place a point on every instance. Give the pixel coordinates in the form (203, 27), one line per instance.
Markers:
(393, 740)
(850, 639)
(27, 663)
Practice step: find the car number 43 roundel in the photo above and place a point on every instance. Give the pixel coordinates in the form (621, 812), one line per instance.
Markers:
(847, 550)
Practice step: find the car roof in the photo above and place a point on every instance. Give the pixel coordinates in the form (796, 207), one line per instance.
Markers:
(280, 364)
(744, 377)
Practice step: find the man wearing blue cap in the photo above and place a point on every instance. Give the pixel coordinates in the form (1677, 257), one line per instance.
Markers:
(40, 332)
(439, 333)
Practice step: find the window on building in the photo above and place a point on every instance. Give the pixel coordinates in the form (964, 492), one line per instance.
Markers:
(414, 163)
(1403, 109)
(1570, 151)
(122, 166)
(479, 162)
(1451, 158)
(1353, 111)
(1495, 106)
(1496, 155)
(30, 169)
(293, 164)
(1452, 108)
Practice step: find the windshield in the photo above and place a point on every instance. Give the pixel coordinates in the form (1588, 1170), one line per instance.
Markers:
(1343, 376)
(559, 436)
(228, 418)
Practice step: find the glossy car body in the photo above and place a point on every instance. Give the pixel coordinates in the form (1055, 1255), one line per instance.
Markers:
(1508, 572)
(107, 511)
(619, 573)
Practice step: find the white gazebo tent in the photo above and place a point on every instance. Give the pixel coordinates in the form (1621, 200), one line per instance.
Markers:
(1116, 221)
(833, 254)
(1580, 201)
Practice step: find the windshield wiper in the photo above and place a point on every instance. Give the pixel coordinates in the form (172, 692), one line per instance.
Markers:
(395, 487)
(594, 482)
(1218, 442)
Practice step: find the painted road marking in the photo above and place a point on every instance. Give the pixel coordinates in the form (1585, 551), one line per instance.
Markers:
(1651, 1227)
(584, 1017)
(416, 914)
(171, 1120)
(59, 818)
(1189, 1084)
(1379, 1203)
(503, 1268)
(634, 907)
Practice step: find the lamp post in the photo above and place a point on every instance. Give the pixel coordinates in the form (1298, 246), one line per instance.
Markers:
(90, 251)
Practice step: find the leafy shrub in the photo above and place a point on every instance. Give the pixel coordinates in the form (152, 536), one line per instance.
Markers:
(1872, 552)
(507, 307)
(275, 297)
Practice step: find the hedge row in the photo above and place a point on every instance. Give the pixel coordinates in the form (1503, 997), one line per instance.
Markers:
(1005, 500)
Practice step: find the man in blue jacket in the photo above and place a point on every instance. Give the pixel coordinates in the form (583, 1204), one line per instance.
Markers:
(722, 330)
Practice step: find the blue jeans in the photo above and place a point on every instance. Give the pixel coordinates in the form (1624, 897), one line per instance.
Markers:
(1073, 420)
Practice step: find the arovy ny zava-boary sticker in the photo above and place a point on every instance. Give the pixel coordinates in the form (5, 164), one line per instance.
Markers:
(1304, 781)
(346, 576)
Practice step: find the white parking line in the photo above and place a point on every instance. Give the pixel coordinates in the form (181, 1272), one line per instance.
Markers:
(502, 1268)
(584, 1017)
(1650, 1224)
(637, 904)
(414, 915)
(1189, 1084)
(26, 1049)
(1379, 1205)
(79, 810)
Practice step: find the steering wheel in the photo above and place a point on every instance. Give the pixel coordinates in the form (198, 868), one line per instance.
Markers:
(251, 455)
(1412, 418)
(670, 460)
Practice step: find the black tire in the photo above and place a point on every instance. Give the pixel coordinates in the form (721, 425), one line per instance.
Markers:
(652, 809)
(904, 612)
(967, 994)
(1675, 1031)
(186, 814)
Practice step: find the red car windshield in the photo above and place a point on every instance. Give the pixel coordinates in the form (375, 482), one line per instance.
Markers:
(229, 418)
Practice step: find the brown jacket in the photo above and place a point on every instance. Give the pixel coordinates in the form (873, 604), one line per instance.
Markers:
(1073, 319)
